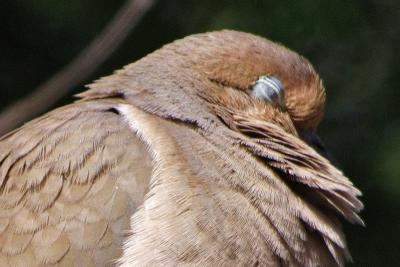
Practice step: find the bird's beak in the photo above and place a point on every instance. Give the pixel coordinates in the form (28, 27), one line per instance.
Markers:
(313, 140)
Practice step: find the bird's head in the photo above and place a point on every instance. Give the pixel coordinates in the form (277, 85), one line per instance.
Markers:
(245, 77)
(240, 76)
(256, 76)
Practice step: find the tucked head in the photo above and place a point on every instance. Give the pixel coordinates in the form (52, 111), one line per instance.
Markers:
(236, 73)
(256, 76)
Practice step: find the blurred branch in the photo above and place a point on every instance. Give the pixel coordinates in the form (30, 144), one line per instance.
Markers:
(81, 67)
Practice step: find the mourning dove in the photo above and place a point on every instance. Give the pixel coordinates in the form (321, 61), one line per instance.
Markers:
(199, 154)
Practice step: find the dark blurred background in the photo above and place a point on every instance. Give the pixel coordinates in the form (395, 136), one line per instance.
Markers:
(354, 45)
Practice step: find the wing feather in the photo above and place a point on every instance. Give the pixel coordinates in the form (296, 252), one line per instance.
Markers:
(69, 183)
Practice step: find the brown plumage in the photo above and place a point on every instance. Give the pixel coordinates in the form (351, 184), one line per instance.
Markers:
(172, 161)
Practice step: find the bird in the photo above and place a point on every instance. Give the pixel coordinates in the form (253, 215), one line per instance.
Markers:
(202, 153)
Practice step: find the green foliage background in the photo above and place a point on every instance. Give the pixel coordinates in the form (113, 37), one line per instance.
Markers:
(354, 45)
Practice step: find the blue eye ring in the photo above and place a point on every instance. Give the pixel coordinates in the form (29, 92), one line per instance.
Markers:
(269, 88)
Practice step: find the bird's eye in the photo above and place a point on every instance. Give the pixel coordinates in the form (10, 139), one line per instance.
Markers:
(269, 88)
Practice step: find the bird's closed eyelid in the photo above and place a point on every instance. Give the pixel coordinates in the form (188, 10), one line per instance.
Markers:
(269, 88)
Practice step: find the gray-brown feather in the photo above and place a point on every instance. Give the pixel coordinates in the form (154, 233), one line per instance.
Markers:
(70, 181)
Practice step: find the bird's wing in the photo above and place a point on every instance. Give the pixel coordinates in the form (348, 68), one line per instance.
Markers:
(70, 180)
